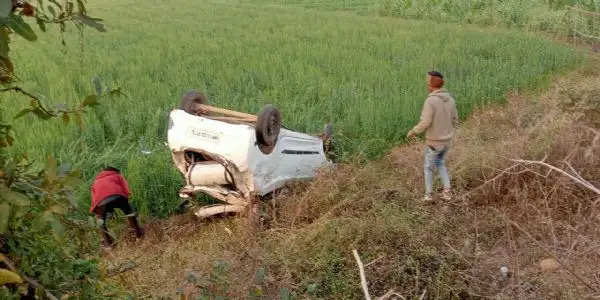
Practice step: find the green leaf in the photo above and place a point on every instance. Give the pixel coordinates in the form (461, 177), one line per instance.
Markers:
(81, 7)
(41, 114)
(41, 24)
(91, 100)
(4, 215)
(52, 11)
(69, 8)
(7, 276)
(20, 27)
(5, 8)
(92, 22)
(4, 40)
(23, 112)
(6, 70)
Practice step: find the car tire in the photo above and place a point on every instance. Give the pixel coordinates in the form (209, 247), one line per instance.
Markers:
(267, 128)
(191, 100)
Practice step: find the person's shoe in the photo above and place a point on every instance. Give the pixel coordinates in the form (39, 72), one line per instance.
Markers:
(107, 244)
(446, 195)
(108, 240)
(133, 223)
(107, 247)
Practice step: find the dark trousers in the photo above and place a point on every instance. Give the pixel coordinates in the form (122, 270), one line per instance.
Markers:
(107, 207)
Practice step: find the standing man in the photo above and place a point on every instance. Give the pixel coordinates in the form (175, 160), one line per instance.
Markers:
(438, 120)
(109, 191)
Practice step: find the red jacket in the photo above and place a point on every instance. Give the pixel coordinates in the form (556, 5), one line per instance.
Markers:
(108, 183)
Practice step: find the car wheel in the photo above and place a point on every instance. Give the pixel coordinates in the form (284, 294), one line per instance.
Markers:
(190, 102)
(267, 127)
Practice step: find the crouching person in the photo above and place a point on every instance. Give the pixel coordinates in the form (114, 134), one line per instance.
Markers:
(109, 191)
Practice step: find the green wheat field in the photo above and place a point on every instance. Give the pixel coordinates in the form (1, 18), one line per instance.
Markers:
(363, 73)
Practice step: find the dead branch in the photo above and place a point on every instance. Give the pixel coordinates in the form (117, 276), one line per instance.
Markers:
(563, 265)
(423, 295)
(374, 261)
(502, 173)
(31, 281)
(582, 182)
(363, 278)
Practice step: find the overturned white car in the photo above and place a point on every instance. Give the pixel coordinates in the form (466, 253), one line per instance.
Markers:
(235, 157)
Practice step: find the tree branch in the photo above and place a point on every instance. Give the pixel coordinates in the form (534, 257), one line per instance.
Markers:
(582, 182)
(39, 102)
(19, 90)
(31, 281)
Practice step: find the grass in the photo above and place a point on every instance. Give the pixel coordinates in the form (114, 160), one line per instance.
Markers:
(550, 16)
(364, 74)
(452, 250)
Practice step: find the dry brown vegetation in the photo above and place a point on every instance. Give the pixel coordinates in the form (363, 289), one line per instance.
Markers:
(505, 213)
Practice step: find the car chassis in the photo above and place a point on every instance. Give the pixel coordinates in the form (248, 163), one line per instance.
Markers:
(236, 157)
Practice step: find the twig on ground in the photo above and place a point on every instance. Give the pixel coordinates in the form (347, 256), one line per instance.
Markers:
(363, 278)
(423, 294)
(374, 261)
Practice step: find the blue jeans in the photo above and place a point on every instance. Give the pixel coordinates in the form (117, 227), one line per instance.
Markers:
(435, 158)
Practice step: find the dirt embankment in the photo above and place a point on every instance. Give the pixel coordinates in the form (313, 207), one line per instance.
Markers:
(541, 225)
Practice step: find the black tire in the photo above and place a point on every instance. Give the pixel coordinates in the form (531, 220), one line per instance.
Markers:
(190, 100)
(267, 128)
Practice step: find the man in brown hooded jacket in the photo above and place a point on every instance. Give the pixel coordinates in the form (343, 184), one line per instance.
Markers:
(438, 120)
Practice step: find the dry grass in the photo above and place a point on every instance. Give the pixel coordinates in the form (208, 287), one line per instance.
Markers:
(503, 215)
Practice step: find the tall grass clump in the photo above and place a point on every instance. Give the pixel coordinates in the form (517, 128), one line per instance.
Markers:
(363, 74)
